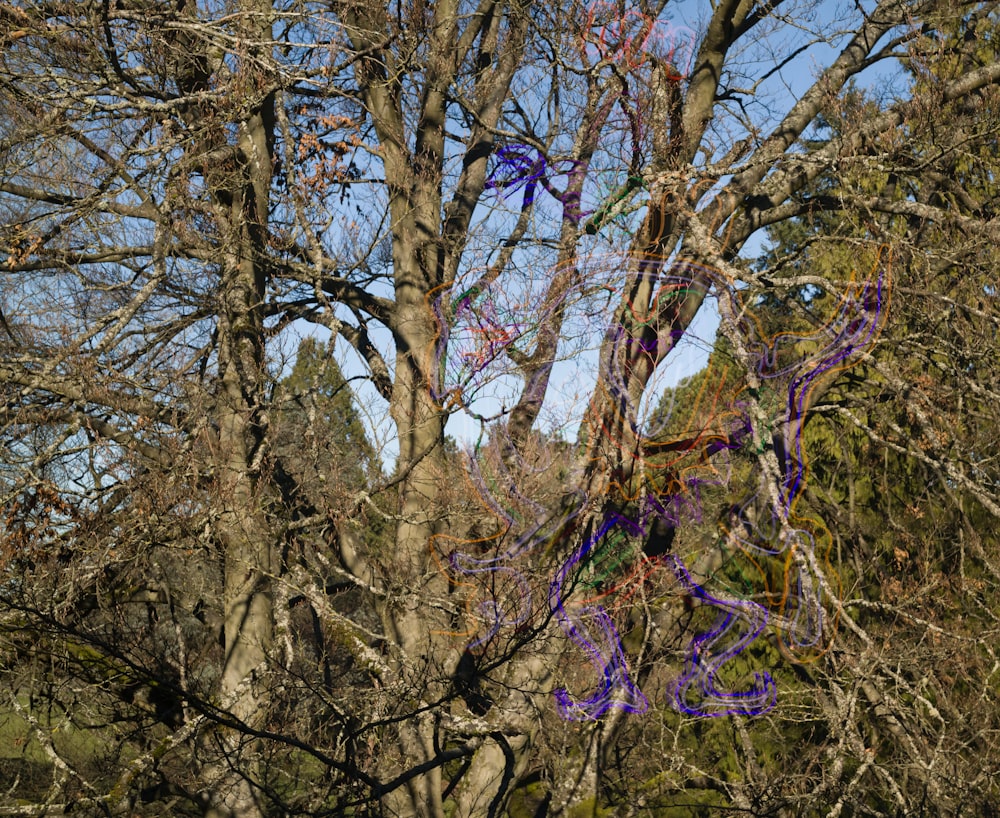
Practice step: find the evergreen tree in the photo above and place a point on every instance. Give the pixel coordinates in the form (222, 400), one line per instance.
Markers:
(320, 434)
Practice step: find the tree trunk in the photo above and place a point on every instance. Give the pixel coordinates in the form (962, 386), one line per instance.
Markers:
(243, 532)
(414, 578)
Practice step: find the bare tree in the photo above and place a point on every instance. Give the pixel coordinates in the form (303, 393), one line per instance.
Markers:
(467, 197)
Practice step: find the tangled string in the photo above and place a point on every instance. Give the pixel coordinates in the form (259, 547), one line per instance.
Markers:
(628, 37)
(488, 331)
(484, 329)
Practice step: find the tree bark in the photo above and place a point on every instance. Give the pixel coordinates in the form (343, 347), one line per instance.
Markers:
(244, 534)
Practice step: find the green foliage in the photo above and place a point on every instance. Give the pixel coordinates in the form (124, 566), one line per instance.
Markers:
(320, 420)
(322, 443)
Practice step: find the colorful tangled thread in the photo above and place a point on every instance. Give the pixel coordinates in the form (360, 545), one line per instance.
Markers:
(500, 576)
(628, 37)
(484, 330)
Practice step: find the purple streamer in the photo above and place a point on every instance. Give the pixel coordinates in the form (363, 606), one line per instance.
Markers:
(605, 649)
(705, 658)
(516, 168)
(699, 690)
